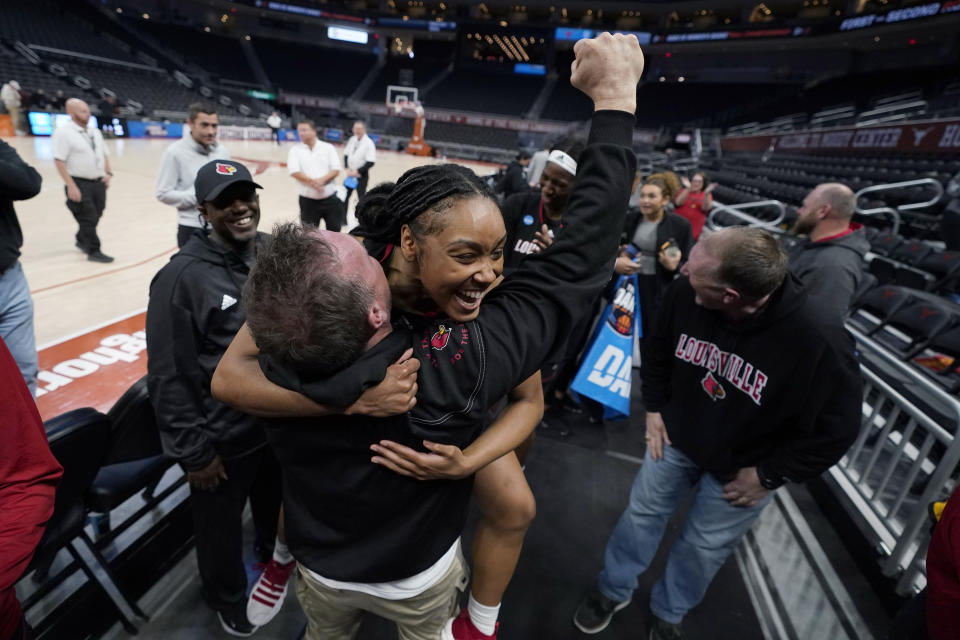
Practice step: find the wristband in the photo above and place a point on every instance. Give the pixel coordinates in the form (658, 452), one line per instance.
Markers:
(769, 482)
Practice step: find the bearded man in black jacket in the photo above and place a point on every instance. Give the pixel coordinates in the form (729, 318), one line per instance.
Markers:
(747, 385)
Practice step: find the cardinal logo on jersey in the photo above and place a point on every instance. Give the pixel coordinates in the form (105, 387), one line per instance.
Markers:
(713, 387)
(226, 169)
(440, 338)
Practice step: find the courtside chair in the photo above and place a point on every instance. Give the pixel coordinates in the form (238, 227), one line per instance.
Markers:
(78, 440)
(134, 460)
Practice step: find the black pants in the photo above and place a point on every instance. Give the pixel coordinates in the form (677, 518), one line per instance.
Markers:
(183, 234)
(87, 212)
(330, 210)
(217, 528)
(275, 132)
(361, 189)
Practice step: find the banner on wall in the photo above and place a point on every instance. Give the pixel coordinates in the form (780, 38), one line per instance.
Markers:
(147, 129)
(915, 137)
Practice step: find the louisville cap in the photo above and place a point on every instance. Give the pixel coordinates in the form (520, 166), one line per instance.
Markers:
(217, 175)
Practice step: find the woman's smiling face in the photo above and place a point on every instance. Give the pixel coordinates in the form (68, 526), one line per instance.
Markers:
(459, 262)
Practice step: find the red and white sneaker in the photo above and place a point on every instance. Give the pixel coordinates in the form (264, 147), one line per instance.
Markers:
(462, 628)
(267, 596)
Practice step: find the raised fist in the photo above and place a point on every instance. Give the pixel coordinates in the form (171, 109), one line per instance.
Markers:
(607, 68)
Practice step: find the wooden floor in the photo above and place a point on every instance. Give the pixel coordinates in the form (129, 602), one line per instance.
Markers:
(72, 295)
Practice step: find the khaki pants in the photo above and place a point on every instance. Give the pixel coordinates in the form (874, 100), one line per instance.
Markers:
(334, 614)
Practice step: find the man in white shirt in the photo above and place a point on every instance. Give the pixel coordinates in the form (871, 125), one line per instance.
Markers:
(358, 156)
(180, 163)
(315, 166)
(81, 159)
(274, 123)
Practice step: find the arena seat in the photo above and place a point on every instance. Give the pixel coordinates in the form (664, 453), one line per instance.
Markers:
(912, 326)
(940, 359)
(941, 265)
(134, 460)
(78, 440)
(876, 306)
(911, 252)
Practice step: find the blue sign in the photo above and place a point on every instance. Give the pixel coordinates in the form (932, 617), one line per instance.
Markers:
(530, 69)
(333, 134)
(141, 129)
(43, 123)
(605, 375)
(572, 35)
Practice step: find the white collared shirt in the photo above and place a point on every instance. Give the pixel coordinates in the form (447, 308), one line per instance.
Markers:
(81, 149)
(360, 151)
(314, 163)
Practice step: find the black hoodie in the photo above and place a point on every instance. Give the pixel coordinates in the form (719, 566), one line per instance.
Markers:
(349, 519)
(193, 314)
(780, 391)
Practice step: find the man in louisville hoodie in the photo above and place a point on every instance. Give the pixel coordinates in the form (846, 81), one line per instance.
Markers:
(748, 384)
(829, 261)
(194, 312)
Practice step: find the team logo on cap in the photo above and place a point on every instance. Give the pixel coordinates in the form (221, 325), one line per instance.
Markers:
(226, 169)
(440, 338)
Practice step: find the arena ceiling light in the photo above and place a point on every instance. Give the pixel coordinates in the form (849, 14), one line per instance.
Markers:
(348, 35)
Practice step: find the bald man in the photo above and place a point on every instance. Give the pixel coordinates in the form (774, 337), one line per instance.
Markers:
(829, 260)
(81, 158)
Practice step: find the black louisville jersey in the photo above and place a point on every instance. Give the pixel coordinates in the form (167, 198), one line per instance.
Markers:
(523, 217)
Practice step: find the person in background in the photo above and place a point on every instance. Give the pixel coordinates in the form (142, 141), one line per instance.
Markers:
(40, 100)
(58, 100)
(28, 482)
(194, 311)
(274, 123)
(180, 163)
(10, 96)
(18, 181)
(662, 241)
(359, 156)
(514, 180)
(830, 259)
(81, 159)
(695, 200)
(537, 163)
(315, 166)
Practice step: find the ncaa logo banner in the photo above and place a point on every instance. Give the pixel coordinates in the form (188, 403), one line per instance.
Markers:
(605, 373)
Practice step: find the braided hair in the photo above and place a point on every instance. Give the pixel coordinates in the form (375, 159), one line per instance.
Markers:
(419, 198)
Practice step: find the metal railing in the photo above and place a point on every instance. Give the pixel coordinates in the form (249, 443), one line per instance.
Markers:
(899, 449)
(894, 213)
(737, 211)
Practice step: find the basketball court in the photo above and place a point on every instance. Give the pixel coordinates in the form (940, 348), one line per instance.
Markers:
(95, 310)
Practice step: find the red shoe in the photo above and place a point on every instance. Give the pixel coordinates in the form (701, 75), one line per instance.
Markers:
(462, 628)
(267, 596)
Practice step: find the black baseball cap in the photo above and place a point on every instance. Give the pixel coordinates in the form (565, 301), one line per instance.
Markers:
(217, 175)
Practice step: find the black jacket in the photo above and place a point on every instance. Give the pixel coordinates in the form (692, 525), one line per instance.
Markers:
(831, 270)
(672, 226)
(193, 314)
(523, 218)
(780, 391)
(18, 181)
(348, 519)
(513, 180)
